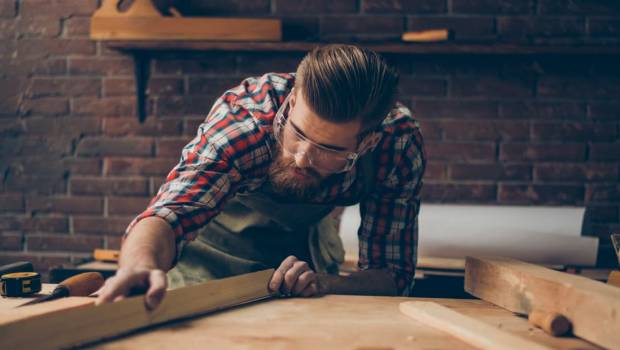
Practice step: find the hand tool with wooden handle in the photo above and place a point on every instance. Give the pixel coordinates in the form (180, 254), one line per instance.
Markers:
(106, 255)
(550, 322)
(81, 285)
(432, 35)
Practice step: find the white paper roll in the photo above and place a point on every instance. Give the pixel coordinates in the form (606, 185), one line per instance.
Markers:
(544, 235)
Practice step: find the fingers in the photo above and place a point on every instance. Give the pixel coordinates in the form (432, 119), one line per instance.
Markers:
(291, 276)
(311, 290)
(294, 277)
(125, 281)
(303, 281)
(157, 289)
(278, 275)
(116, 287)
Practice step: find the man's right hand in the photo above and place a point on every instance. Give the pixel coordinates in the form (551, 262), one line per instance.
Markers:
(129, 278)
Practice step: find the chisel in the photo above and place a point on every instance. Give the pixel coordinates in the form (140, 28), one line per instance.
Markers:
(81, 285)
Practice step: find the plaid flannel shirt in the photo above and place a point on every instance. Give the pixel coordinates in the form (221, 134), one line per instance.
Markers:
(233, 148)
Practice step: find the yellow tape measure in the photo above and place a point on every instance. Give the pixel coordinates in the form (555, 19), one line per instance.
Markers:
(19, 284)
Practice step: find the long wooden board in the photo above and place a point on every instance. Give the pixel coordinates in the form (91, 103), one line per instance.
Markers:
(593, 307)
(142, 21)
(222, 29)
(330, 322)
(73, 321)
(466, 328)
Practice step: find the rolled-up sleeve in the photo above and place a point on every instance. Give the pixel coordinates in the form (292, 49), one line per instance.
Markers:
(211, 167)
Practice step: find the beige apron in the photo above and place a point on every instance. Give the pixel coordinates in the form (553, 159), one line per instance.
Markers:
(257, 230)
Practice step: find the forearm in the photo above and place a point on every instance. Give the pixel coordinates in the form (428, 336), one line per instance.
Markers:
(367, 282)
(150, 244)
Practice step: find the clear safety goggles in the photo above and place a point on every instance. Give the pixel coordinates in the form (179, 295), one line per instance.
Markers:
(319, 156)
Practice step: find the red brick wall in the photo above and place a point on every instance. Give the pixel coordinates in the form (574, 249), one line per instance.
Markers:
(76, 166)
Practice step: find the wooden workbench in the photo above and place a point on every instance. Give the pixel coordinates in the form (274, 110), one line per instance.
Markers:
(330, 322)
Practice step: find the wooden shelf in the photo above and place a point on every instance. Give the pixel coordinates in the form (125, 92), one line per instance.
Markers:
(395, 47)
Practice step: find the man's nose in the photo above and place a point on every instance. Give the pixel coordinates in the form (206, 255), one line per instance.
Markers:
(301, 156)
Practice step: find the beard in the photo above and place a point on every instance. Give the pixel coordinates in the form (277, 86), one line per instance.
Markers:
(285, 183)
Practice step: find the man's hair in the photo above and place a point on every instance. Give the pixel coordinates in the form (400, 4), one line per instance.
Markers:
(342, 83)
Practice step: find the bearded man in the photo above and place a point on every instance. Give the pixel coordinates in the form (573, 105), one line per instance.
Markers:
(255, 188)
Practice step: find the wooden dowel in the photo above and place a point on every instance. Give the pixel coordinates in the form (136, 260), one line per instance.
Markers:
(551, 322)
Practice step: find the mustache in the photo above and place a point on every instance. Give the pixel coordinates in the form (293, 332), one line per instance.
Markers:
(306, 171)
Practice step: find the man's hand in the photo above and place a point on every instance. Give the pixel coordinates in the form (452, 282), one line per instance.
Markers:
(127, 279)
(294, 277)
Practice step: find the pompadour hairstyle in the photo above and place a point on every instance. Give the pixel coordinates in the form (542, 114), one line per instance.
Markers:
(342, 83)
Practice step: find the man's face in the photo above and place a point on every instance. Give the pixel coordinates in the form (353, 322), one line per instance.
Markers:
(292, 173)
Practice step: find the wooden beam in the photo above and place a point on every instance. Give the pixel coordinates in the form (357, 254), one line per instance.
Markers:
(73, 321)
(468, 329)
(172, 28)
(592, 307)
(142, 21)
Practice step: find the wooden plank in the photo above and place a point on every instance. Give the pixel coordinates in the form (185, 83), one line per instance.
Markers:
(465, 328)
(591, 306)
(73, 321)
(142, 21)
(172, 28)
(346, 322)
(331, 322)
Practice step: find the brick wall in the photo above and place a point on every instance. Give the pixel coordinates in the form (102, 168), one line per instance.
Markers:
(76, 166)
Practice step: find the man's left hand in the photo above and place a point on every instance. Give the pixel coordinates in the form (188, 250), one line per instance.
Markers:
(294, 277)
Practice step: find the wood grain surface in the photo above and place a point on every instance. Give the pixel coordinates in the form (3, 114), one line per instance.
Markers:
(73, 321)
(592, 307)
(329, 322)
(467, 328)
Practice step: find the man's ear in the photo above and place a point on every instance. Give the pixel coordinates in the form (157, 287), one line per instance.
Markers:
(369, 142)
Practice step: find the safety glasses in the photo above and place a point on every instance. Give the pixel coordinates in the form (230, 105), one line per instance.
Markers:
(319, 156)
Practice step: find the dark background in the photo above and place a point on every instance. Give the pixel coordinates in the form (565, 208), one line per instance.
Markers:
(76, 166)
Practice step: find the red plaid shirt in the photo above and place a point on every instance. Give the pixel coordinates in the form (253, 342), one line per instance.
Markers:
(233, 148)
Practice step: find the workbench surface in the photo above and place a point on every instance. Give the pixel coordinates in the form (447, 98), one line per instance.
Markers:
(329, 322)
